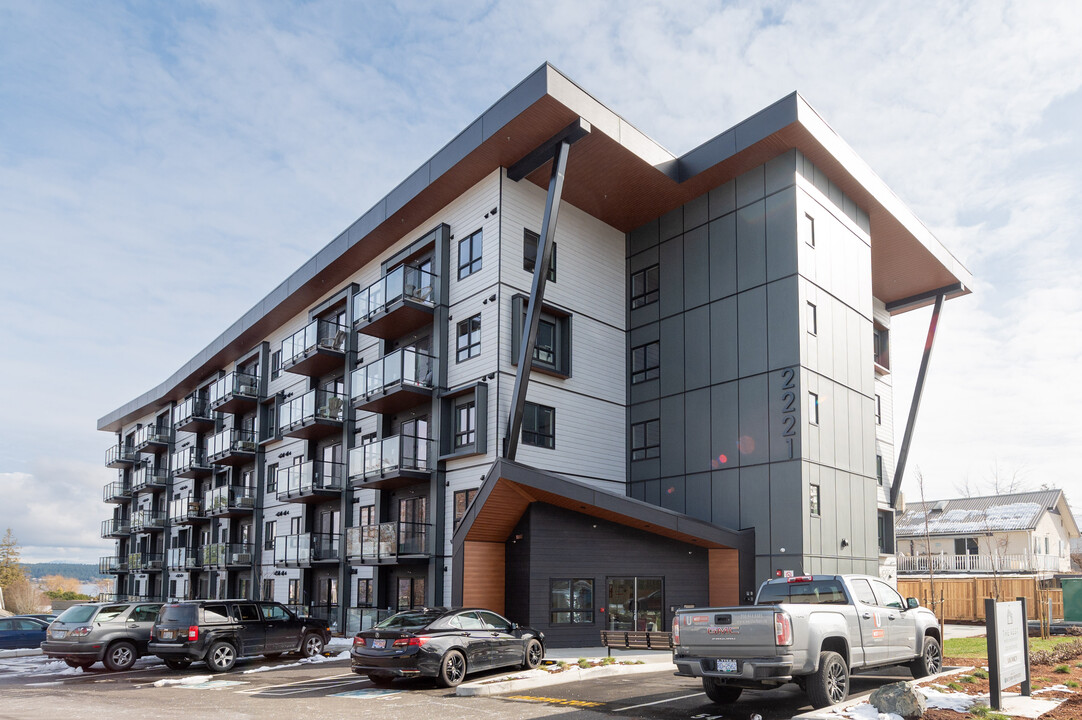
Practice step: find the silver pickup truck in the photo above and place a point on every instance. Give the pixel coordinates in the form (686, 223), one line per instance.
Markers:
(811, 630)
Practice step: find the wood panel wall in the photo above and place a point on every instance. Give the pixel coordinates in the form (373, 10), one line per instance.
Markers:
(724, 574)
(483, 575)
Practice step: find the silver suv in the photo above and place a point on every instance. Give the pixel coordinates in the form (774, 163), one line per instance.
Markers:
(114, 633)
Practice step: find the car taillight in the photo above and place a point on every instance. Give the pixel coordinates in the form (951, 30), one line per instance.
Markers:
(407, 642)
(193, 633)
(358, 641)
(783, 629)
(80, 631)
(676, 630)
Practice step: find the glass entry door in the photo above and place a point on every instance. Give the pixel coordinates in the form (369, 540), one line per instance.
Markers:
(636, 603)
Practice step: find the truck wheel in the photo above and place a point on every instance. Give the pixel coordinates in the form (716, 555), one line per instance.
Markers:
(829, 685)
(930, 661)
(719, 692)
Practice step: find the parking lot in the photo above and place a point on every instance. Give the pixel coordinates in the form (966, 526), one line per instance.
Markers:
(286, 689)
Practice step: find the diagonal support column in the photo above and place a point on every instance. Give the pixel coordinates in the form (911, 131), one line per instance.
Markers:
(903, 454)
(537, 293)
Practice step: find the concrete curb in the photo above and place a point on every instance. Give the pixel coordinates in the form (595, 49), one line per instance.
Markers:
(530, 679)
(834, 711)
(28, 652)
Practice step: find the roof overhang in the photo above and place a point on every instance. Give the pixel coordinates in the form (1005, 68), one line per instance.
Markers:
(510, 488)
(615, 173)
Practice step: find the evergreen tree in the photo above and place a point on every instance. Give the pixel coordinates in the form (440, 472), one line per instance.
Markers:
(10, 571)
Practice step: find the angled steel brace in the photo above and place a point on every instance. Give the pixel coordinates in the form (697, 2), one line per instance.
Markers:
(903, 453)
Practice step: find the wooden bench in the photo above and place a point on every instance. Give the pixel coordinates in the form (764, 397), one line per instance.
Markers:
(636, 640)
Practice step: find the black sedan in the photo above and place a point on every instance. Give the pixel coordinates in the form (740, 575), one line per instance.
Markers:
(445, 644)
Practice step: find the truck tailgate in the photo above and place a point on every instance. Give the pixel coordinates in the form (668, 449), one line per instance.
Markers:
(737, 632)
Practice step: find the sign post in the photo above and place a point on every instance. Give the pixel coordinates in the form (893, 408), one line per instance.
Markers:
(1008, 647)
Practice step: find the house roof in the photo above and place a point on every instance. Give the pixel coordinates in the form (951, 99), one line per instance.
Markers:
(617, 174)
(979, 515)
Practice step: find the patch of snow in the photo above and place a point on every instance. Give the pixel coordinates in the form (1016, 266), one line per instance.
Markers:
(193, 680)
(956, 701)
(1054, 688)
(864, 711)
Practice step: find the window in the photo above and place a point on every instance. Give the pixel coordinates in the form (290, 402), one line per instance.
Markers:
(863, 591)
(530, 239)
(646, 440)
(469, 338)
(463, 498)
(276, 613)
(539, 426)
(1046, 546)
(813, 320)
(645, 362)
(295, 526)
(881, 346)
(878, 409)
(269, 533)
(465, 424)
(276, 364)
(813, 408)
(552, 344)
(268, 589)
(366, 515)
(882, 534)
(411, 592)
(813, 500)
(469, 255)
(272, 478)
(879, 469)
(887, 596)
(544, 348)
(808, 229)
(215, 614)
(364, 592)
(644, 287)
(571, 601)
(294, 597)
(966, 546)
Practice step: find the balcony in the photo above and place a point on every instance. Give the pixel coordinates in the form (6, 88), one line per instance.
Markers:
(388, 542)
(116, 492)
(315, 350)
(183, 559)
(230, 501)
(393, 383)
(191, 462)
(120, 456)
(315, 414)
(236, 392)
(143, 562)
(148, 477)
(312, 481)
(364, 618)
(151, 438)
(115, 528)
(186, 511)
(147, 521)
(232, 447)
(1027, 563)
(392, 462)
(112, 565)
(193, 415)
(396, 304)
(305, 549)
(226, 555)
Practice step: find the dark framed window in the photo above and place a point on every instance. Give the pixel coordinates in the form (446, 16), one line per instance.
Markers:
(571, 601)
(813, 408)
(411, 592)
(544, 349)
(813, 319)
(808, 229)
(272, 478)
(885, 533)
(364, 592)
(645, 362)
(463, 498)
(469, 338)
(646, 440)
(366, 515)
(813, 497)
(879, 468)
(469, 255)
(269, 533)
(268, 589)
(465, 424)
(644, 286)
(881, 346)
(878, 409)
(539, 426)
(552, 346)
(530, 240)
(294, 597)
(276, 364)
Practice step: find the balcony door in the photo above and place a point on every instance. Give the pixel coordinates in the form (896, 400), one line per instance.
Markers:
(414, 443)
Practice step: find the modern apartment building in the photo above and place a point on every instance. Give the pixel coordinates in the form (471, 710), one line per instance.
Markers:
(708, 401)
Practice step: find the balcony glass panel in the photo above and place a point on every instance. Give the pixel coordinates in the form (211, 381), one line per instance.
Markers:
(407, 367)
(229, 496)
(234, 383)
(193, 407)
(185, 508)
(146, 475)
(318, 334)
(230, 441)
(387, 540)
(188, 458)
(305, 548)
(182, 558)
(112, 565)
(116, 490)
(314, 404)
(399, 452)
(144, 561)
(308, 477)
(120, 454)
(152, 434)
(147, 520)
(115, 526)
(358, 618)
(405, 281)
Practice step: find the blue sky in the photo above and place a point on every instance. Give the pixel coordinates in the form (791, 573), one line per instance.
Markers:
(163, 166)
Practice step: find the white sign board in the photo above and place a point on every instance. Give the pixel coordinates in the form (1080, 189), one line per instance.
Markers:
(1011, 634)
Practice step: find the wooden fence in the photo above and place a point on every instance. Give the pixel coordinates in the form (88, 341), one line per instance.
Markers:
(963, 598)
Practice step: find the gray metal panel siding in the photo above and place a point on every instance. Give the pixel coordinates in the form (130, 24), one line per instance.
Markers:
(723, 257)
(781, 240)
(672, 355)
(755, 504)
(725, 497)
(696, 271)
(751, 245)
(753, 420)
(697, 496)
(724, 357)
(671, 224)
(672, 435)
(697, 440)
(786, 510)
(697, 347)
(783, 323)
(751, 331)
(671, 277)
(725, 426)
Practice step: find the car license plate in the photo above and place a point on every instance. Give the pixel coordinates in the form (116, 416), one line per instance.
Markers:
(168, 634)
(728, 666)
(379, 644)
(58, 634)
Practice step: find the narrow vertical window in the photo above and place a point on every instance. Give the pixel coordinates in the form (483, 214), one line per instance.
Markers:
(808, 229)
(465, 424)
(813, 408)
(530, 241)
(813, 319)
(813, 500)
(469, 255)
(879, 469)
(878, 409)
(469, 339)
(463, 498)
(276, 364)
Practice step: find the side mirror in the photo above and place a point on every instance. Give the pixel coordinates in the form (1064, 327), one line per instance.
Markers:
(514, 627)
(911, 603)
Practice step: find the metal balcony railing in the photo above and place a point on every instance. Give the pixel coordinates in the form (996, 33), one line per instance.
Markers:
(404, 282)
(233, 385)
(114, 527)
(182, 558)
(190, 460)
(226, 554)
(317, 335)
(146, 475)
(391, 455)
(112, 564)
(311, 406)
(116, 492)
(193, 409)
(153, 435)
(363, 618)
(229, 497)
(186, 509)
(232, 441)
(306, 548)
(144, 520)
(308, 478)
(120, 455)
(144, 561)
(400, 368)
(388, 541)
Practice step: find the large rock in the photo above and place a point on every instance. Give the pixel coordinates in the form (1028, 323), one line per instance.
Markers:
(900, 698)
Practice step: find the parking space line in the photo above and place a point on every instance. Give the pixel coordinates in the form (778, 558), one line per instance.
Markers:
(295, 682)
(658, 702)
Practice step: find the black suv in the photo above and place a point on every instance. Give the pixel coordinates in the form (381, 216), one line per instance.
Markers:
(220, 631)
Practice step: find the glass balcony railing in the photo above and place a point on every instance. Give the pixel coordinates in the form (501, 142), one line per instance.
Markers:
(144, 561)
(194, 410)
(404, 282)
(306, 548)
(182, 558)
(190, 461)
(186, 510)
(114, 527)
(147, 476)
(153, 435)
(144, 520)
(120, 455)
(311, 406)
(116, 492)
(235, 385)
(231, 442)
(317, 335)
(391, 456)
(364, 618)
(387, 541)
(229, 497)
(226, 554)
(309, 478)
(113, 564)
(401, 367)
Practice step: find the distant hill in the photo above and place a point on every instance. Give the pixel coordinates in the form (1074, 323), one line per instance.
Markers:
(84, 573)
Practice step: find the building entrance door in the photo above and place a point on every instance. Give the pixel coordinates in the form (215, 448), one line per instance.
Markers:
(636, 603)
